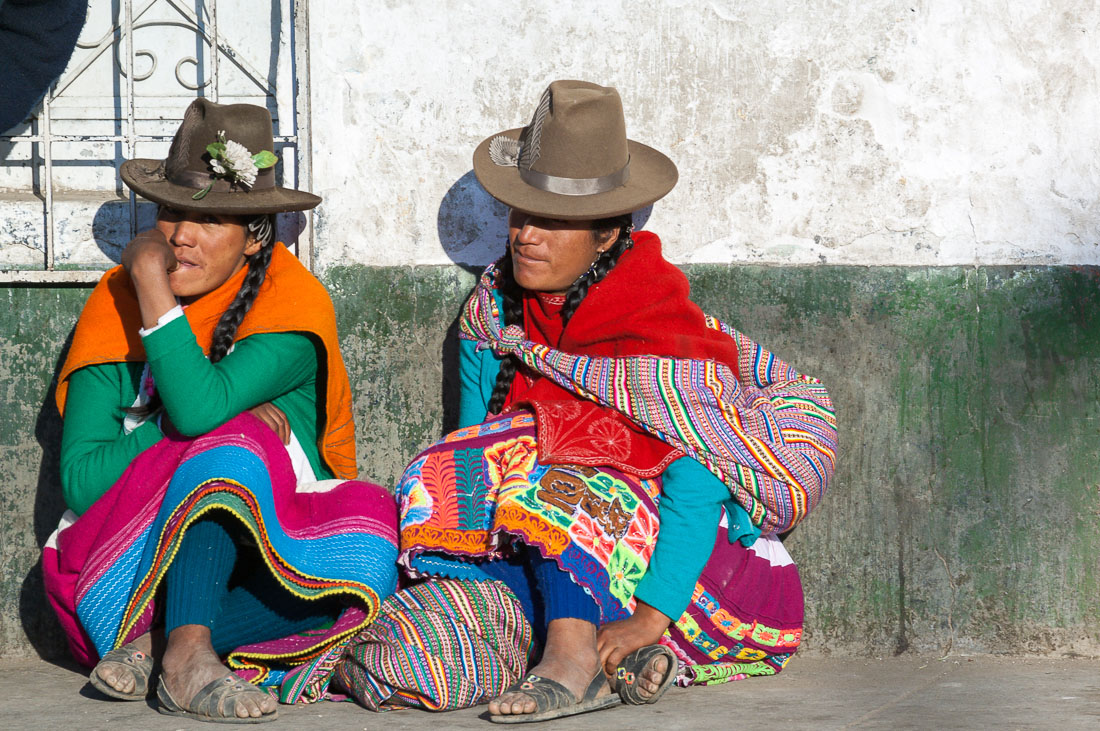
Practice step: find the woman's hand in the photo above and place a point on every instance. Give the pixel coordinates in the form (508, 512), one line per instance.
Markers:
(149, 252)
(274, 417)
(616, 640)
(149, 259)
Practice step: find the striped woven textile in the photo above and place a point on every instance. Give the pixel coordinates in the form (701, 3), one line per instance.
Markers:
(439, 645)
(338, 538)
(768, 432)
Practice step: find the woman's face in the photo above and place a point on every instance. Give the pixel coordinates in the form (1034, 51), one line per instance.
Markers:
(549, 254)
(210, 249)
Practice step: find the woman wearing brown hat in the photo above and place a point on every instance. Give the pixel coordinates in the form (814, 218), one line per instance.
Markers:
(598, 404)
(208, 453)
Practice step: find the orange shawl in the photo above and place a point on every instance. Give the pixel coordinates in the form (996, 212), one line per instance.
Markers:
(290, 300)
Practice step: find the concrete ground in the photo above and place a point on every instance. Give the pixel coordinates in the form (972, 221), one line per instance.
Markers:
(813, 693)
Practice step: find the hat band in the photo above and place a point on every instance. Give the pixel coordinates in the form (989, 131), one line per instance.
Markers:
(576, 186)
(198, 181)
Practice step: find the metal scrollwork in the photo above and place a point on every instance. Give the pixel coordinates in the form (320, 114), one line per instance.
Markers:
(115, 37)
(179, 77)
(142, 52)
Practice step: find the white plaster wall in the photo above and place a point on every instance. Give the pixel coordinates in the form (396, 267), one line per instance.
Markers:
(875, 132)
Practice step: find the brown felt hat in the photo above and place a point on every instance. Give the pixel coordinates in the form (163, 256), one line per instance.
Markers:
(188, 169)
(573, 161)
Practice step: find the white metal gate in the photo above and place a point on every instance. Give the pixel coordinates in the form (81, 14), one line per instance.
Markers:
(65, 213)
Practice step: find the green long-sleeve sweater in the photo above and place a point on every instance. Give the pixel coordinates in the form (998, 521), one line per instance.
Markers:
(691, 500)
(198, 396)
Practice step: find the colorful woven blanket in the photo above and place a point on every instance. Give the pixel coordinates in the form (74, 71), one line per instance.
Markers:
(439, 645)
(334, 538)
(767, 431)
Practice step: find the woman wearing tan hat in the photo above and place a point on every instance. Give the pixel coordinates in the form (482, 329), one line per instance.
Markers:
(598, 404)
(208, 453)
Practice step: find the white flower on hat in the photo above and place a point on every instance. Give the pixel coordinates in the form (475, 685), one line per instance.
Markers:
(230, 160)
(239, 160)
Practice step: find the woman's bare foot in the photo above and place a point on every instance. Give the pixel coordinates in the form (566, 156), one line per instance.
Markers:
(649, 681)
(190, 664)
(120, 676)
(570, 658)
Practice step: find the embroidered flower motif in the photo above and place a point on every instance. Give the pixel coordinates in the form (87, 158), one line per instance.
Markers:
(607, 438)
(412, 496)
(642, 536)
(509, 464)
(589, 536)
(624, 572)
(230, 160)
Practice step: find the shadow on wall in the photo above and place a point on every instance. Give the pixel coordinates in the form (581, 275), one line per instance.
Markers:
(472, 228)
(111, 225)
(472, 225)
(41, 626)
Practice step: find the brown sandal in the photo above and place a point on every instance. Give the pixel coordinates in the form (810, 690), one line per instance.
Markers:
(216, 702)
(138, 663)
(554, 700)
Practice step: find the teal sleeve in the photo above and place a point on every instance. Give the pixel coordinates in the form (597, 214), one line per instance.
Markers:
(691, 506)
(200, 396)
(477, 375)
(94, 449)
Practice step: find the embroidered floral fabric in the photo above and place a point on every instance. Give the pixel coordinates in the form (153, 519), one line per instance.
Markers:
(470, 495)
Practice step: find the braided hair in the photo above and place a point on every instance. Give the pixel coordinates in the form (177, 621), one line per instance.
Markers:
(262, 229)
(512, 294)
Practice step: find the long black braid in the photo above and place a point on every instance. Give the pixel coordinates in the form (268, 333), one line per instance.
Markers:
(262, 229)
(512, 294)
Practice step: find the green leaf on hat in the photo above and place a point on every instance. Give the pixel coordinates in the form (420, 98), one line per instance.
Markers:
(264, 159)
(216, 149)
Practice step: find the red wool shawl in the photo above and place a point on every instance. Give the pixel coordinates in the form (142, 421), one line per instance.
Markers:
(641, 307)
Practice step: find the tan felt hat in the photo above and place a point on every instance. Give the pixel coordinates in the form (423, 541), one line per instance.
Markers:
(573, 161)
(179, 180)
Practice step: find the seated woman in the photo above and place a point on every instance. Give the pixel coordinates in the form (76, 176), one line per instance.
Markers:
(616, 409)
(204, 531)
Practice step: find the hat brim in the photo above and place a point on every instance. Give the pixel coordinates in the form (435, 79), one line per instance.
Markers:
(144, 177)
(652, 176)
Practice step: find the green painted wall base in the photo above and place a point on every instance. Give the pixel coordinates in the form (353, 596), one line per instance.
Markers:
(965, 514)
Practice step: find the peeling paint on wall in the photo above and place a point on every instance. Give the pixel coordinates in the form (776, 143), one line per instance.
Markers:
(846, 133)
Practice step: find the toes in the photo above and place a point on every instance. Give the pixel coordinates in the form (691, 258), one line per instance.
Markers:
(254, 705)
(511, 705)
(245, 708)
(108, 674)
(115, 676)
